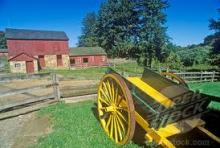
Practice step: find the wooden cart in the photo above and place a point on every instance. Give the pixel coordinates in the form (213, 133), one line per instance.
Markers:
(162, 106)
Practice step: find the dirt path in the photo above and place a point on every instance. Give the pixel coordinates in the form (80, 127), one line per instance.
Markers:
(23, 131)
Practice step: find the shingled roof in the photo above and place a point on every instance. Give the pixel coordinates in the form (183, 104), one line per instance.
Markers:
(78, 51)
(35, 34)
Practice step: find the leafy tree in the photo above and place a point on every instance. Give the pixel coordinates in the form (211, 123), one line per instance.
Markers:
(192, 55)
(2, 40)
(88, 37)
(215, 54)
(173, 61)
(152, 33)
(116, 27)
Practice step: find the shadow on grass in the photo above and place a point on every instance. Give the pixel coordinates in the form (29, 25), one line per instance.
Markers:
(139, 133)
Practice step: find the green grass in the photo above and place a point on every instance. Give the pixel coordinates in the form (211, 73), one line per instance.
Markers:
(95, 73)
(75, 126)
(88, 73)
(210, 88)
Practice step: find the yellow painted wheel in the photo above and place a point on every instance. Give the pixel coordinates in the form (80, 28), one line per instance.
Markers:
(116, 109)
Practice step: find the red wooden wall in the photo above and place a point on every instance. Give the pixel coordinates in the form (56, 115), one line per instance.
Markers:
(37, 47)
(93, 60)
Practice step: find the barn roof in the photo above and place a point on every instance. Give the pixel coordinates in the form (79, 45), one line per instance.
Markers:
(22, 57)
(35, 34)
(3, 50)
(87, 51)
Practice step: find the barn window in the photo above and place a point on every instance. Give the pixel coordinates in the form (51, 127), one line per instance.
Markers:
(17, 65)
(85, 60)
(72, 62)
(103, 58)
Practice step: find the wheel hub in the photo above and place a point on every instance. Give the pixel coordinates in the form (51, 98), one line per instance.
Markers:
(112, 108)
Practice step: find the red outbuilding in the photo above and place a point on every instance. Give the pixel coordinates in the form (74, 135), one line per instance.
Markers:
(87, 57)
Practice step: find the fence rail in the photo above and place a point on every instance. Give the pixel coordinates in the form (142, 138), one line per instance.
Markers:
(9, 77)
(10, 108)
(199, 76)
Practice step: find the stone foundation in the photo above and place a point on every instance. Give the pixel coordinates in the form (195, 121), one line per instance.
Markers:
(66, 61)
(51, 61)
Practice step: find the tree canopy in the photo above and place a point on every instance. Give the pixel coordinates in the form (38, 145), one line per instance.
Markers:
(151, 30)
(89, 37)
(215, 40)
(128, 28)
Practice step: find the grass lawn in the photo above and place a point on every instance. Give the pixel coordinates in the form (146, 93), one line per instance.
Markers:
(95, 73)
(75, 125)
(210, 88)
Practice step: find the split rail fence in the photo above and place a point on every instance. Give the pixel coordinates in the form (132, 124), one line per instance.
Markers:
(14, 100)
(199, 76)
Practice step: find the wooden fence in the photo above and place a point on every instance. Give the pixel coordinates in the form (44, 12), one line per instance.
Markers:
(22, 106)
(9, 76)
(199, 76)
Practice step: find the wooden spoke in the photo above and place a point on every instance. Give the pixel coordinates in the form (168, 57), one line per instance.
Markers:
(104, 101)
(121, 116)
(122, 125)
(107, 98)
(106, 91)
(109, 90)
(108, 123)
(113, 93)
(115, 105)
(115, 130)
(120, 129)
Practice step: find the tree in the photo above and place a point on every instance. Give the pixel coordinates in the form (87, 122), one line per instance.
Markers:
(215, 54)
(152, 33)
(192, 55)
(116, 27)
(2, 40)
(173, 61)
(89, 37)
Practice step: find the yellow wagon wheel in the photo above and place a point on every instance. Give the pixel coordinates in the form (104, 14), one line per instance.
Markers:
(116, 109)
(175, 78)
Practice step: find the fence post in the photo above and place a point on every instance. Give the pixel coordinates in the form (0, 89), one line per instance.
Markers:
(201, 76)
(213, 76)
(56, 88)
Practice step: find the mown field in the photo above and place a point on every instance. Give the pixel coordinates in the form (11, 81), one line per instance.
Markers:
(95, 73)
(210, 88)
(75, 125)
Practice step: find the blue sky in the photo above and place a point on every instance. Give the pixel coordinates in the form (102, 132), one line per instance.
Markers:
(187, 20)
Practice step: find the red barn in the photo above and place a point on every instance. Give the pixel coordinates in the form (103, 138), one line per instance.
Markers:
(87, 57)
(31, 50)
